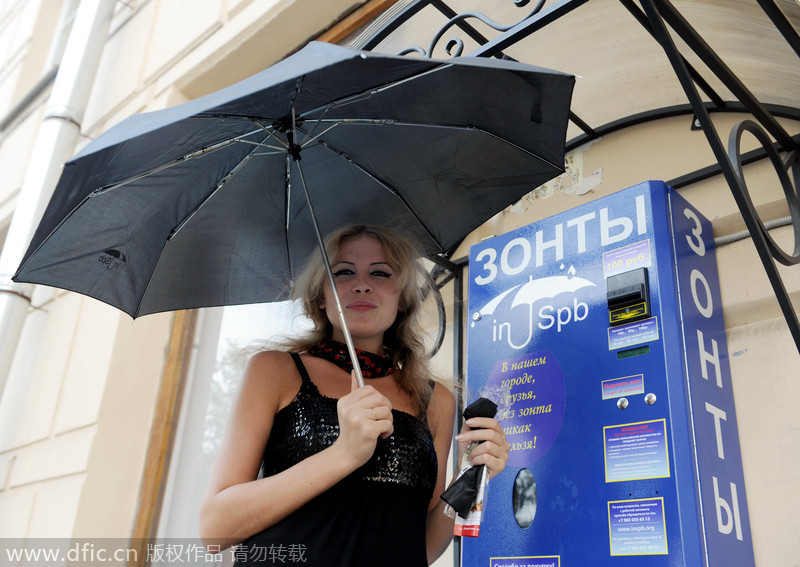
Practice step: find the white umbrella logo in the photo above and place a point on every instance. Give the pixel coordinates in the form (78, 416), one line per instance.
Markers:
(529, 294)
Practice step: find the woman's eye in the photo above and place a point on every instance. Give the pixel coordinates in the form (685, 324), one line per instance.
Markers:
(343, 272)
(381, 274)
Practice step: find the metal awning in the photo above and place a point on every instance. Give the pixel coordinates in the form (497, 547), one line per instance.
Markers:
(643, 60)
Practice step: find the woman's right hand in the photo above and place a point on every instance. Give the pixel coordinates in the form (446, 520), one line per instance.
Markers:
(238, 504)
(364, 415)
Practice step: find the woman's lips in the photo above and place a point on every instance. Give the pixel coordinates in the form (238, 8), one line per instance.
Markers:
(362, 306)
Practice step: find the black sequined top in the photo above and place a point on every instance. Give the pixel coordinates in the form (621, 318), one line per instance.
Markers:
(373, 517)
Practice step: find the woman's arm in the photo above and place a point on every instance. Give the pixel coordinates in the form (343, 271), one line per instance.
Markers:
(236, 504)
(441, 420)
(493, 453)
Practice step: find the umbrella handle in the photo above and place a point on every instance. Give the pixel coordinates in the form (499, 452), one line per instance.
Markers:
(351, 348)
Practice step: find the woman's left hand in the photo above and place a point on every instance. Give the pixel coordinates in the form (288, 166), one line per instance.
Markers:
(493, 452)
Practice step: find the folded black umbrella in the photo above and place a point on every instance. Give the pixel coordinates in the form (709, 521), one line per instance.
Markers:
(461, 494)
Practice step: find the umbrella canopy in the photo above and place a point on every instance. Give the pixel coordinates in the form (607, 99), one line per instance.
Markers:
(202, 204)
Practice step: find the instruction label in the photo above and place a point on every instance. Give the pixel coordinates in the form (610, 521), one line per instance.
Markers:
(633, 333)
(539, 561)
(636, 451)
(637, 527)
(536, 410)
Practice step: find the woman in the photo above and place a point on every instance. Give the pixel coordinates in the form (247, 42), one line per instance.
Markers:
(350, 476)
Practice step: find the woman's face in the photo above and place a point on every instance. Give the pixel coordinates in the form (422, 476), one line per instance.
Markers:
(366, 284)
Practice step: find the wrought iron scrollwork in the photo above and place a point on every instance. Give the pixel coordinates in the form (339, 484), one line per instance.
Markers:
(659, 12)
(455, 45)
(790, 190)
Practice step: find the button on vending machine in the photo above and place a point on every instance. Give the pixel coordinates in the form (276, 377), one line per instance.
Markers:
(599, 331)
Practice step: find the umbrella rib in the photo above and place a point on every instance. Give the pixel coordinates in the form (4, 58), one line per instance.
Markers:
(270, 133)
(385, 185)
(288, 209)
(390, 122)
(310, 139)
(102, 190)
(350, 99)
(268, 146)
(356, 97)
(213, 192)
(52, 232)
(199, 153)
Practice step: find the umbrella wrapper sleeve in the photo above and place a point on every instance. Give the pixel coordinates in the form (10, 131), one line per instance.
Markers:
(466, 497)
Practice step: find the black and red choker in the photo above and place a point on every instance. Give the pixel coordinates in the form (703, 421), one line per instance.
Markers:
(372, 365)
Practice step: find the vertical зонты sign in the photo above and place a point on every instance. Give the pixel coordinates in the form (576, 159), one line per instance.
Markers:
(718, 456)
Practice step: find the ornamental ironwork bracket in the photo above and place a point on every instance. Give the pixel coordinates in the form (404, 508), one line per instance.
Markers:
(455, 45)
(660, 13)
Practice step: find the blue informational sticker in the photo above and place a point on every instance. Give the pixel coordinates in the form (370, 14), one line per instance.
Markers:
(635, 451)
(637, 527)
(633, 334)
(627, 386)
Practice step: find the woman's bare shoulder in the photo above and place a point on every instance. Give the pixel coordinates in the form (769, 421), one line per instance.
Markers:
(265, 360)
(274, 373)
(442, 408)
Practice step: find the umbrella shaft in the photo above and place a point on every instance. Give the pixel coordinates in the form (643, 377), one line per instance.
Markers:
(345, 329)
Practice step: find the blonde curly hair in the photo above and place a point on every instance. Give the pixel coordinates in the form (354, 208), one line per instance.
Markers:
(404, 338)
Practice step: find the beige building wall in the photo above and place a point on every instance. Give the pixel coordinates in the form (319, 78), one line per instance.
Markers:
(79, 406)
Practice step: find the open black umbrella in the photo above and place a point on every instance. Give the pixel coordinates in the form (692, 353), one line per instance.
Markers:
(210, 202)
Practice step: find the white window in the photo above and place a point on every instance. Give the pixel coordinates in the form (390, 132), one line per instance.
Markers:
(224, 340)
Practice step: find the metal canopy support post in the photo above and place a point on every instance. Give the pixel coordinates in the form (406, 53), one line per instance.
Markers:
(698, 79)
(781, 24)
(657, 12)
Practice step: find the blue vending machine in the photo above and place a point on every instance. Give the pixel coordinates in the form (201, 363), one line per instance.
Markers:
(602, 329)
